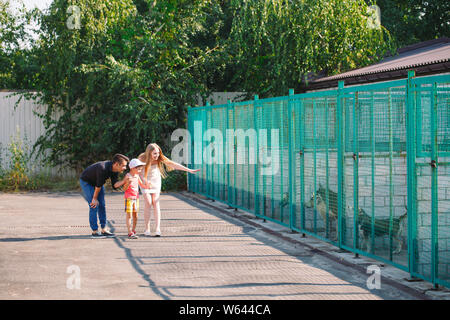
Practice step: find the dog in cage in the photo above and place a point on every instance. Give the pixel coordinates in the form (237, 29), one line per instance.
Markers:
(319, 199)
(381, 226)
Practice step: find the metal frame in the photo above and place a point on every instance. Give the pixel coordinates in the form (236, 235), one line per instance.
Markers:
(348, 141)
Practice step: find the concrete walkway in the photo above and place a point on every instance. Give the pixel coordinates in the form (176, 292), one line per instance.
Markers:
(204, 253)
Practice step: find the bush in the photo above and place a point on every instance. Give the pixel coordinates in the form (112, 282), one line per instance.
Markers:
(16, 174)
(175, 181)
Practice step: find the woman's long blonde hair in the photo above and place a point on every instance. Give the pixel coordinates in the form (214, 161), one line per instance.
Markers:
(146, 157)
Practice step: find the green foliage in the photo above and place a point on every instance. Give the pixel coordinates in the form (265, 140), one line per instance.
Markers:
(119, 82)
(15, 174)
(175, 181)
(11, 28)
(277, 43)
(45, 182)
(412, 21)
(17, 68)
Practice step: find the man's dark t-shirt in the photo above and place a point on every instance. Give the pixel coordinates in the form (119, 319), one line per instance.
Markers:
(97, 174)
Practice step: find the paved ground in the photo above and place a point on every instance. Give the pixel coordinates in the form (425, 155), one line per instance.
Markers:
(204, 253)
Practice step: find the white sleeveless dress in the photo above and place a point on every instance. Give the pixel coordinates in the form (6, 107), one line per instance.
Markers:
(154, 177)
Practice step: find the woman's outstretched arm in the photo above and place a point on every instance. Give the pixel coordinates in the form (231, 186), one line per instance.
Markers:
(178, 166)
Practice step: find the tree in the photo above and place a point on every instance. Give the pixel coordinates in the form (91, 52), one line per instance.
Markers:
(278, 43)
(412, 21)
(15, 58)
(120, 81)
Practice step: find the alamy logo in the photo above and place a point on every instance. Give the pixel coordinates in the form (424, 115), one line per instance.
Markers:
(74, 280)
(74, 20)
(212, 146)
(374, 281)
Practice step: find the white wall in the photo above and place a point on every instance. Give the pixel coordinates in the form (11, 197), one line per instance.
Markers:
(22, 121)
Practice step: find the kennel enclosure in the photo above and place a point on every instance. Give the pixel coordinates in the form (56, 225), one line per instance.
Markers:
(366, 167)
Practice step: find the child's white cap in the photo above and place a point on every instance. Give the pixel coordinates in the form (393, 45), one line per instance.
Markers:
(136, 163)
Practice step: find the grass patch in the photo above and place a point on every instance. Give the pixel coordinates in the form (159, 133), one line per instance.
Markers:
(39, 182)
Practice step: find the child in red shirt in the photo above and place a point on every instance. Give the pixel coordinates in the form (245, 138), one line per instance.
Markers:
(132, 183)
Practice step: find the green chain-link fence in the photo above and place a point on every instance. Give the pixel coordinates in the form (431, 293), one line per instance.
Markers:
(366, 168)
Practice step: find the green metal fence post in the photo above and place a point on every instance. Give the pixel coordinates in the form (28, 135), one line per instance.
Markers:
(391, 182)
(434, 186)
(341, 141)
(265, 147)
(228, 152)
(315, 164)
(243, 178)
(355, 171)
(204, 167)
(234, 155)
(272, 197)
(256, 179)
(281, 154)
(223, 165)
(411, 169)
(301, 129)
(189, 165)
(290, 120)
(208, 163)
(372, 140)
(250, 120)
(327, 172)
(195, 154)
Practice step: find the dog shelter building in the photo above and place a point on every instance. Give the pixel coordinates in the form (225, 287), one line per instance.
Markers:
(362, 160)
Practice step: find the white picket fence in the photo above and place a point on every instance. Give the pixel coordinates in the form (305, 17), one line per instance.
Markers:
(22, 124)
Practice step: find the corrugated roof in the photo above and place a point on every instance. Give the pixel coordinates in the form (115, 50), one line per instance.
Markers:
(421, 54)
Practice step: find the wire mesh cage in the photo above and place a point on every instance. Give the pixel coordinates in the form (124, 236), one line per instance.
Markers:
(366, 168)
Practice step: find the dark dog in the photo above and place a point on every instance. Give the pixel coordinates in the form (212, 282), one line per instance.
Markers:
(381, 229)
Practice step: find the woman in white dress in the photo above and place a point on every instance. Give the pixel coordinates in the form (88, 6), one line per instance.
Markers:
(157, 166)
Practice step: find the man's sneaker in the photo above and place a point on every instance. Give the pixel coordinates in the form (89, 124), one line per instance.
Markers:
(132, 236)
(108, 234)
(97, 235)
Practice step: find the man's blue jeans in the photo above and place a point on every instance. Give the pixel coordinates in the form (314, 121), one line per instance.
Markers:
(88, 194)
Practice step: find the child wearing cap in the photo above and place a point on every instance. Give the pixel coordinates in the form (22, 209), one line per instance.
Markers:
(132, 183)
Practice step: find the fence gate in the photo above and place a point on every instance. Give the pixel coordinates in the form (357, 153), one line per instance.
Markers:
(313, 172)
(374, 172)
(429, 185)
